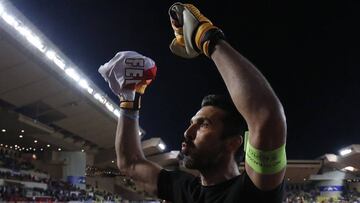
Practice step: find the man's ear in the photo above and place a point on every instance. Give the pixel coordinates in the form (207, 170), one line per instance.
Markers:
(233, 143)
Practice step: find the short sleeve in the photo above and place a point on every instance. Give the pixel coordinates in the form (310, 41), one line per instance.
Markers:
(172, 183)
(275, 195)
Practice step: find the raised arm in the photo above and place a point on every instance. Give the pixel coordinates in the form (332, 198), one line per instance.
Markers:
(128, 74)
(249, 90)
(257, 102)
(130, 158)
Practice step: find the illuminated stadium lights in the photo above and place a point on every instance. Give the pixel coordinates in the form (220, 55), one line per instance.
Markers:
(72, 74)
(100, 98)
(82, 150)
(345, 151)
(59, 62)
(109, 106)
(31, 37)
(50, 53)
(112, 161)
(349, 168)
(1, 145)
(35, 141)
(23, 30)
(22, 131)
(47, 145)
(41, 149)
(116, 113)
(21, 136)
(84, 84)
(161, 146)
(59, 149)
(9, 19)
(3, 130)
(6, 146)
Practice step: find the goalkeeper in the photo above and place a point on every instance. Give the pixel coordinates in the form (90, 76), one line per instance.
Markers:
(214, 137)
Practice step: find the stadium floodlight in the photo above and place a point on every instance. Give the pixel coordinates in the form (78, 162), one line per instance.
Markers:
(84, 84)
(346, 151)
(36, 41)
(162, 146)
(117, 113)
(349, 168)
(50, 54)
(100, 98)
(73, 74)
(31, 37)
(109, 106)
(59, 62)
(3, 130)
(9, 19)
(23, 30)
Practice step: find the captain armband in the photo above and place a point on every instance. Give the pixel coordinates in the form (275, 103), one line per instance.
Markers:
(264, 162)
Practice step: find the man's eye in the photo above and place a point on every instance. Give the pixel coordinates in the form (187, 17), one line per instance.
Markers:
(205, 125)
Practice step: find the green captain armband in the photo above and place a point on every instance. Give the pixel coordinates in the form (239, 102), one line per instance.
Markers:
(264, 162)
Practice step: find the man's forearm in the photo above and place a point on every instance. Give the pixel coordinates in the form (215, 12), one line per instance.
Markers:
(250, 92)
(127, 141)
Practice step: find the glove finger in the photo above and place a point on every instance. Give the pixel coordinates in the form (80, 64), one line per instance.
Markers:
(175, 13)
(180, 50)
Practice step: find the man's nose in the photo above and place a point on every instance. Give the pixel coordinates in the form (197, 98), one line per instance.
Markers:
(190, 133)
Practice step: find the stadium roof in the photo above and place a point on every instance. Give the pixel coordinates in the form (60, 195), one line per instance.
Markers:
(44, 96)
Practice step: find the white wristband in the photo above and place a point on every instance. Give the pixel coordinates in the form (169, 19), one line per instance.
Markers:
(131, 114)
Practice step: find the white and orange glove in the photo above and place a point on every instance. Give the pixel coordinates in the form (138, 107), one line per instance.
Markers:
(194, 33)
(128, 74)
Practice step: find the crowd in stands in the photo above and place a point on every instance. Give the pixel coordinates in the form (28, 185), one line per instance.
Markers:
(14, 171)
(313, 195)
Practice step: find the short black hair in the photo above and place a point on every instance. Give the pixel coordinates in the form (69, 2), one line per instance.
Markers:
(234, 123)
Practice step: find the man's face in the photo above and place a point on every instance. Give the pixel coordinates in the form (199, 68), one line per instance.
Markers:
(203, 146)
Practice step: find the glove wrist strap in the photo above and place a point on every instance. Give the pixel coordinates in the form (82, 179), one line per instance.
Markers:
(132, 105)
(210, 39)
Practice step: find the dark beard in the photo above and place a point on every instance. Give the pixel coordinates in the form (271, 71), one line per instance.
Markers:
(200, 160)
(193, 162)
(186, 161)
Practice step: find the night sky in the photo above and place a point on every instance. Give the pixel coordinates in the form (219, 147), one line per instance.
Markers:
(308, 51)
